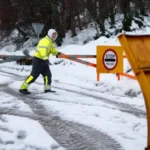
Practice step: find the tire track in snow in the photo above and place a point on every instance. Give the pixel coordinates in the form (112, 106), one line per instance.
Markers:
(121, 106)
(127, 108)
(72, 136)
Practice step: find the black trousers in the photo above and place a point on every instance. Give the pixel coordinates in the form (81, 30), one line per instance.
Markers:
(40, 66)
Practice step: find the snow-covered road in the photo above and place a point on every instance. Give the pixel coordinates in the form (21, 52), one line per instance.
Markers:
(76, 118)
(70, 135)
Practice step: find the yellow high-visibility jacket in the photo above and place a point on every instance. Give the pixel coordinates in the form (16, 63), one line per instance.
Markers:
(44, 48)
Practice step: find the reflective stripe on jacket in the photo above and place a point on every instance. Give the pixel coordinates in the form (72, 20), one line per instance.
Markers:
(44, 48)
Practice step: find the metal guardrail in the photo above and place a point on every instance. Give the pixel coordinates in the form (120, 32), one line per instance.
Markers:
(9, 58)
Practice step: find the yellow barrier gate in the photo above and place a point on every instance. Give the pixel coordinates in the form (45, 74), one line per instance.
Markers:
(137, 49)
(109, 60)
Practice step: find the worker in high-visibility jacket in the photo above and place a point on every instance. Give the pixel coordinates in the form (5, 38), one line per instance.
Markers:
(40, 65)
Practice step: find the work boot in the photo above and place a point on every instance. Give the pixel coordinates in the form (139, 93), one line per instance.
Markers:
(49, 91)
(24, 91)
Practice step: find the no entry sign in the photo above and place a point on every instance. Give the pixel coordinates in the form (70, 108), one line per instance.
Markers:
(110, 59)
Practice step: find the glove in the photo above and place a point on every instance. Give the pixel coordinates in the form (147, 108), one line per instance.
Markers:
(59, 53)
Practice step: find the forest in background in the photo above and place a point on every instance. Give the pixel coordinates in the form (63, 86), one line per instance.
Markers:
(64, 15)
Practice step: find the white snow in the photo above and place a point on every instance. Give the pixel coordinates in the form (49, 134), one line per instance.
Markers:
(23, 133)
(130, 131)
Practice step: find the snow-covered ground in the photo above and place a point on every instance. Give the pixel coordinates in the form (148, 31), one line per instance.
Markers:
(22, 132)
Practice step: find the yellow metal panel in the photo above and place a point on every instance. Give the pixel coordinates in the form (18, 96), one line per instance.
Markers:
(109, 59)
(137, 49)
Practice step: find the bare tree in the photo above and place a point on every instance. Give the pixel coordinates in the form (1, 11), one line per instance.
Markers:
(6, 15)
(69, 14)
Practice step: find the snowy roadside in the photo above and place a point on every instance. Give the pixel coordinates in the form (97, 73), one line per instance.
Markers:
(80, 77)
(18, 129)
(23, 133)
(86, 110)
(127, 129)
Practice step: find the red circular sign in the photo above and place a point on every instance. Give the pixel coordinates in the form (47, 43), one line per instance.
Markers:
(110, 59)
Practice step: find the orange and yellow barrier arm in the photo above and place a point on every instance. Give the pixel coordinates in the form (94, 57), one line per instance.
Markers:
(77, 60)
(76, 56)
